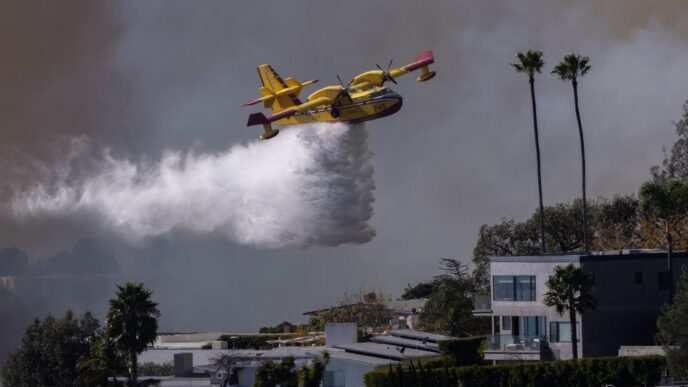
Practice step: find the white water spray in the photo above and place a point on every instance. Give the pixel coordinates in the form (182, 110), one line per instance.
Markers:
(311, 185)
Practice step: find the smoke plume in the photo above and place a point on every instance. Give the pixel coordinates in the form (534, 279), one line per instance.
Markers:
(311, 185)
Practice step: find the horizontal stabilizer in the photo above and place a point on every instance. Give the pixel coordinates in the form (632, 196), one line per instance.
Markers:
(423, 59)
(291, 82)
(257, 119)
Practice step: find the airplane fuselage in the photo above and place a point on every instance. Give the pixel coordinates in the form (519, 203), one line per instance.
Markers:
(362, 106)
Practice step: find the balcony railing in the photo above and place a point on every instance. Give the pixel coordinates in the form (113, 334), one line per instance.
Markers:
(482, 303)
(516, 344)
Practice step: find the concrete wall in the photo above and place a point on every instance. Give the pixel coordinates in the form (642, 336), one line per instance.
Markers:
(354, 371)
(340, 334)
(627, 312)
(542, 268)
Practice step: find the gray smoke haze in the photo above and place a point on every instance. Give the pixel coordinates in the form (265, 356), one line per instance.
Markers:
(146, 77)
(312, 185)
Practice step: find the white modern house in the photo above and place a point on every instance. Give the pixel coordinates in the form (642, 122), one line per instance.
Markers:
(631, 286)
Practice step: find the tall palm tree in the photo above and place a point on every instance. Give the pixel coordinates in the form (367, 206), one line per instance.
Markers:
(668, 201)
(571, 68)
(530, 63)
(132, 323)
(570, 289)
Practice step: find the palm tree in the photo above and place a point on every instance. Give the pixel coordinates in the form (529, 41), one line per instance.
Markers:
(132, 323)
(667, 200)
(530, 63)
(571, 68)
(570, 289)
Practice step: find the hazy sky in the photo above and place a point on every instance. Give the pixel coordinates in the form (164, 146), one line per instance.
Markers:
(142, 78)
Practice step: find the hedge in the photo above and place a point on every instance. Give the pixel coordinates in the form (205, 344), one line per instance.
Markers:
(259, 341)
(464, 351)
(619, 371)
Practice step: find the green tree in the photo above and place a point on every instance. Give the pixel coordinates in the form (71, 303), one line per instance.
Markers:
(675, 164)
(530, 63)
(674, 331)
(422, 290)
(450, 306)
(49, 352)
(570, 69)
(132, 322)
(667, 201)
(613, 223)
(283, 327)
(312, 376)
(271, 374)
(502, 239)
(367, 309)
(570, 289)
(266, 375)
(103, 361)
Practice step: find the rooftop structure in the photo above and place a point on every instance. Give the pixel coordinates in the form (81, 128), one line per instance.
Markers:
(349, 360)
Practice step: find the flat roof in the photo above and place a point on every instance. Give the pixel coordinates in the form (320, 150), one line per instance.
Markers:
(203, 358)
(408, 343)
(418, 335)
(385, 351)
(608, 255)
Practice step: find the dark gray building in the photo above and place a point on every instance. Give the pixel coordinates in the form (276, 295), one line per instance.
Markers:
(631, 287)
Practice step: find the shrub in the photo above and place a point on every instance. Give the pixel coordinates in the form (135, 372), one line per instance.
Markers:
(153, 369)
(619, 371)
(259, 341)
(464, 351)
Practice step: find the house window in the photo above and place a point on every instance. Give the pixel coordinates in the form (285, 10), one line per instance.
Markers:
(506, 323)
(334, 379)
(663, 280)
(531, 326)
(560, 332)
(638, 277)
(514, 288)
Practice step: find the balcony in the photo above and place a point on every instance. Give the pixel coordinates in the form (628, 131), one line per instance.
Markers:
(517, 348)
(482, 305)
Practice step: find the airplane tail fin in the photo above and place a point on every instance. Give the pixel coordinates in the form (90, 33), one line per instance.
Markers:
(274, 83)
(422, 61)
(260, 119)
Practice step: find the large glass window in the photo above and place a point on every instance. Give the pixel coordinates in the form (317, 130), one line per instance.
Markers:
(506, 323)
(531, 326)
(560, 332)
(503, 288)
(525, 288)
(514, 288)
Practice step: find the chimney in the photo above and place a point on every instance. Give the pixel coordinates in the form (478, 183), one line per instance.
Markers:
(339, 334)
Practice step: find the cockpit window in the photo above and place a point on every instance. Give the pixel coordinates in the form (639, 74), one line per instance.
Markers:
(378, 93)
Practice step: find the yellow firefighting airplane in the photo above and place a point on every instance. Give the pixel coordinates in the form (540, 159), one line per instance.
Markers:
(364, 98)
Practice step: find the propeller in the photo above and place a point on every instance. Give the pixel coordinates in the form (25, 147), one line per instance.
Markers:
(343, 92)
(385, 73)
(345, 89)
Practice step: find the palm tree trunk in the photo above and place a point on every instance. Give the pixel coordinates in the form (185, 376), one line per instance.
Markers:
(574, 331)
(586, 241)
(539, 174)
(134, 369)
(670, 253)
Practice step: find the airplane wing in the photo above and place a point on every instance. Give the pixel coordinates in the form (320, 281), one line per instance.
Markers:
(259, 118)
(373, 78)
